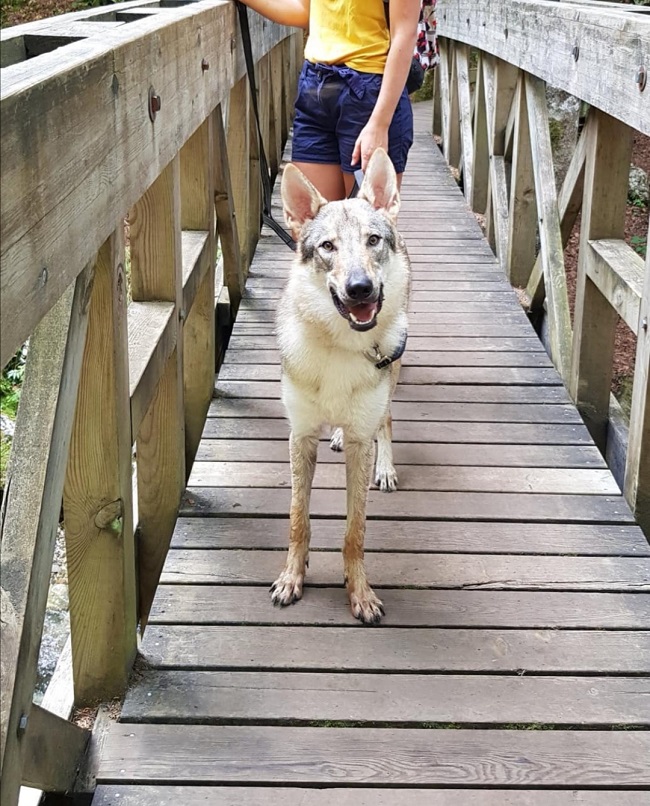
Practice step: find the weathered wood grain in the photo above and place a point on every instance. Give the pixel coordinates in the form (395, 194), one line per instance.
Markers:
(405, 453)
(412, 505)
(211, 754)
(383, 649)
(465, 571)
(495, 537)
(215, 697)
(326, 607)
(407, 431)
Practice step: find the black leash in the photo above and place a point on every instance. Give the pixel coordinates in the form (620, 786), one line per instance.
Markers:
(267, 216)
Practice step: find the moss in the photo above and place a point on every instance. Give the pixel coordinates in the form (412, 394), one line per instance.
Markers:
(425, 93)
(555, 129)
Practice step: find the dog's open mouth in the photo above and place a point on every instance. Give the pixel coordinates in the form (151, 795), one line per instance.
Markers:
(362, 316)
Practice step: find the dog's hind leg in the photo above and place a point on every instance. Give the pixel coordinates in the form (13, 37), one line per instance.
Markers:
(358, 463)
(385, 473)
(287, 588)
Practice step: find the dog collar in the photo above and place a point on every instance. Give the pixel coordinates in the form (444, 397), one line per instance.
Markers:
(382, 361)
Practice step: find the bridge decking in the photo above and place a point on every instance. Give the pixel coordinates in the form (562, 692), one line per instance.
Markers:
(509, 564)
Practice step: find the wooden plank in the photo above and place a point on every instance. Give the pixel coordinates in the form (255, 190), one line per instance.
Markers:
(415, 477)
(98, 495)
(419, 375)
(430, 536)
(440, 344)
(238, 150)
(637, 467)
(414, 506)
(603, 216)
(481, 157)
(599, 32)
(426, 412)
(522, 233)
(212, 754)
(390, 570)
(403, 431)
(153, 332)
(197, 213)
(44, 765)
(161, 795)
(198, 259)
(410, 393)
(548, 216)
(465, 115)
(156, 261)
(617, 272)
(405, 453)
(430, 358)
(31, 508)
(233, 605)
(226, 217)
(213, 697)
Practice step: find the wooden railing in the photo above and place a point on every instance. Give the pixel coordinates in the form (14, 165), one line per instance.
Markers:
(130, 211)
(491, 113)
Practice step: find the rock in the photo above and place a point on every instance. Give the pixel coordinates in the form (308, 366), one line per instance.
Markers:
(563, 113)
(7, 426)
(638, 189)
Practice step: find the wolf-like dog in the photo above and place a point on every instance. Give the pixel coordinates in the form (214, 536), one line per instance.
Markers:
(341, 328)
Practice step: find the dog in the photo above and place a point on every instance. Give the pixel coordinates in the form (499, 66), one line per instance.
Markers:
(341, 330)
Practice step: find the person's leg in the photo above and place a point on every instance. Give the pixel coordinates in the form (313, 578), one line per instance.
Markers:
(326, 178)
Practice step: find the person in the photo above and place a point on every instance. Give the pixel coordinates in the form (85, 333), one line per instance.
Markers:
(351, 95)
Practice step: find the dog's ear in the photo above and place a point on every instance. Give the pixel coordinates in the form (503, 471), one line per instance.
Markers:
(300, 199)
(379, 186)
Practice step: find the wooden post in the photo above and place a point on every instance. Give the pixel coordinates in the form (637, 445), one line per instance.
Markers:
(253, 223)
(603, 215)
(523, 209)
(197, 213)
(276, 137)
(31, 507)
(481, 152)
(238, 139)
(637, 468)
(156, 265)
(97, 503)
(233, 274)
(465, 117)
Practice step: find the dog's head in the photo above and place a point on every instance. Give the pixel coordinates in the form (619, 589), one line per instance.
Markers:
(347, 245)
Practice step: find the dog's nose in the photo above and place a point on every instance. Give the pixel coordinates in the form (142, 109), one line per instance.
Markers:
(359, 287)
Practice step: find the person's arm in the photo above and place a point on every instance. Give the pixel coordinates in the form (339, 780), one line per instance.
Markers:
(404, 15)
(294, 13)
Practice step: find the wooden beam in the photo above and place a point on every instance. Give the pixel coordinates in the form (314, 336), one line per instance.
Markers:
(607, 167)
(637, 468)
(465, 114)
(197, 213)
(226, 216)
(156, 265)
(569, 204)
(51, 193)
(522, 235)
(54, 751)
(621, 41)
(481, 160)
(97, 501)
(31, 509)
(549, 226)
(617, 272)
(238, 150)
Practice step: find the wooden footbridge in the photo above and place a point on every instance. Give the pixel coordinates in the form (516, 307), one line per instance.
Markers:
(513, 665)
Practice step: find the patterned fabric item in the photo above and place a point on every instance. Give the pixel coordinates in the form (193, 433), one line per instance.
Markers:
(426, 46)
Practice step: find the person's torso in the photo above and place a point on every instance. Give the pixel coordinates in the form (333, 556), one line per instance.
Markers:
(350, 32)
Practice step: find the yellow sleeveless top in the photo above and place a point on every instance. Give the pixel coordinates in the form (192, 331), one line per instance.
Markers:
(350, 32)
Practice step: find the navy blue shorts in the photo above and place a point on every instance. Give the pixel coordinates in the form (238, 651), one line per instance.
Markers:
(334, 103)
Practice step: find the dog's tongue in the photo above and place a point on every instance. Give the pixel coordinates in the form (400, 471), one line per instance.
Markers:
(364, 312)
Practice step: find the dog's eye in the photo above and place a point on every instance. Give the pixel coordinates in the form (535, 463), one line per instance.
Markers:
(327, 246)
(373, 240)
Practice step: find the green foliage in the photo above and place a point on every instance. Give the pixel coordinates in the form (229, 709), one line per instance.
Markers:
(11, 383)
(640, 244)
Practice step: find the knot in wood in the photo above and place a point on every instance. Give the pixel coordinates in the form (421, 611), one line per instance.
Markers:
(110, 516)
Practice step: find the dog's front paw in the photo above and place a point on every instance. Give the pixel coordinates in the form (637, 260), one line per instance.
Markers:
(336, 440)
(366, 606)
(287, 588)
(386, 478)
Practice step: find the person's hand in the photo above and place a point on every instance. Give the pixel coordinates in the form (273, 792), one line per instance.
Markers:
(372, 136)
